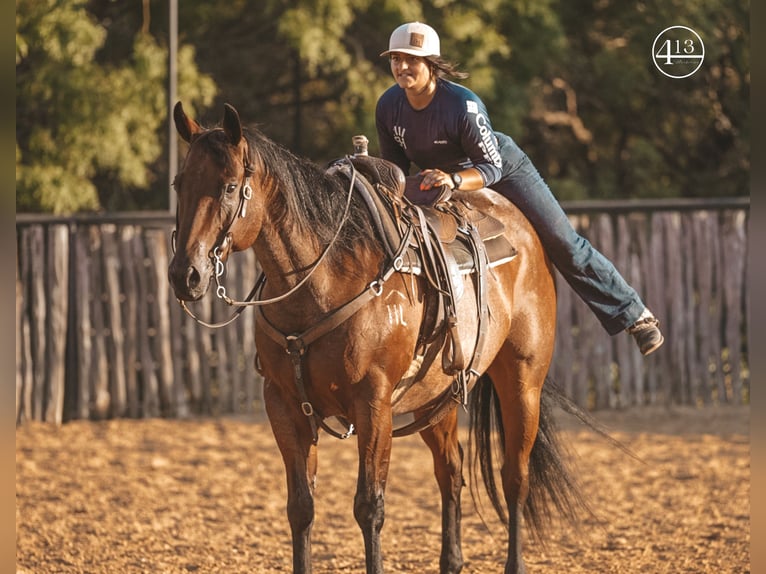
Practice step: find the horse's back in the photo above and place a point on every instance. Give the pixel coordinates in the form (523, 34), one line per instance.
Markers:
(529, 276)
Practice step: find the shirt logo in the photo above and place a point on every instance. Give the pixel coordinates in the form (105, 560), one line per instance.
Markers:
(399, 136)
(488, 141)
(472, 107)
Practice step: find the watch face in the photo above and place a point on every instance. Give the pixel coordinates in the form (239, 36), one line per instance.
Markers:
(456, 179)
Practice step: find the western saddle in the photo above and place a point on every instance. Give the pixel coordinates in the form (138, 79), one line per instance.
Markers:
(441, 242)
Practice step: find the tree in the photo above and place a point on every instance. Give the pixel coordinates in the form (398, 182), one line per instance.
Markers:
(603, 122)
(80, 120)
(571, 81)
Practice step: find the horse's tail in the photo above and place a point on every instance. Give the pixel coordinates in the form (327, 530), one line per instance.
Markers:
(551, 484)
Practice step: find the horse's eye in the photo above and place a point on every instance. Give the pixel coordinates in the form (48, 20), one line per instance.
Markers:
(230, 188)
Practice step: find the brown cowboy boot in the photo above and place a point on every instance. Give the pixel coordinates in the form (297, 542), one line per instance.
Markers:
(646, 332)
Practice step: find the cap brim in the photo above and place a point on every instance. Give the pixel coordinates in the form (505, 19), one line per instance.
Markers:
(409, 51)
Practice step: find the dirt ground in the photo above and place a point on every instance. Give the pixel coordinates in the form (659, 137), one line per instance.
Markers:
(208, 495)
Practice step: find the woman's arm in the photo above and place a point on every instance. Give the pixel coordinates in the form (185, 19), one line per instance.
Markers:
(464, 180)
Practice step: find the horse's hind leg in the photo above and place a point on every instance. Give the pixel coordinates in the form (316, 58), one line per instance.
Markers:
(295, 441)
(442, 439)
(518, 384)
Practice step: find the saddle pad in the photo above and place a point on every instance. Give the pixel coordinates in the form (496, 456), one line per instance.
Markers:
(489, 227)
(499, 251)
(446, 225)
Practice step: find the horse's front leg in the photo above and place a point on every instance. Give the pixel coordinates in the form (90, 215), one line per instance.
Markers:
(295, 441)
(447, 454)
(373, 421)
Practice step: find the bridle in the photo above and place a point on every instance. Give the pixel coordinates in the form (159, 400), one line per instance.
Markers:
(218, 252)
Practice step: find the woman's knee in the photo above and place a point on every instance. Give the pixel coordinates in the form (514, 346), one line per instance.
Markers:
(569, 250)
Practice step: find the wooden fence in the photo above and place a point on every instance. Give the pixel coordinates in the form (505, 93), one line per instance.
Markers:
(688, 261)
(99, 334)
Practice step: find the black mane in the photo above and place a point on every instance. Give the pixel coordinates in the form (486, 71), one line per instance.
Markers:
(310, 202)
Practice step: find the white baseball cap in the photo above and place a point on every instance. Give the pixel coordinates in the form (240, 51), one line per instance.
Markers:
(414, 38)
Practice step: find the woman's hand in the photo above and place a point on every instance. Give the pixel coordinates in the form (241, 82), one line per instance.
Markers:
(435, 178)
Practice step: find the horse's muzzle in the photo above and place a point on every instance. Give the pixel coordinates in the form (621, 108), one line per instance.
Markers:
(189, 281)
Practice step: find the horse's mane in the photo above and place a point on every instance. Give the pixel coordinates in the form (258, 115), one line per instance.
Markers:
(310, 201)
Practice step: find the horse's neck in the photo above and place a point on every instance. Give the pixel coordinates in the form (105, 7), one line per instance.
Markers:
(287, 259)
(287, 256)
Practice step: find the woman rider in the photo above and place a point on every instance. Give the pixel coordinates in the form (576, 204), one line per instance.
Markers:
(444, 129)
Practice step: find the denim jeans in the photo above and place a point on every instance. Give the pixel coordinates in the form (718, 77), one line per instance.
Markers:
(593, 277)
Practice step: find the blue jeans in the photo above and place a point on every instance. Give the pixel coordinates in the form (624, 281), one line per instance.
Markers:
(593, 277)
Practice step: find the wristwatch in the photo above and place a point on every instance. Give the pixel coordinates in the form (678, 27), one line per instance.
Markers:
(456, 179)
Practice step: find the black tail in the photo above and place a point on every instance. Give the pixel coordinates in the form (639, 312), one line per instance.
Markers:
(551, 485)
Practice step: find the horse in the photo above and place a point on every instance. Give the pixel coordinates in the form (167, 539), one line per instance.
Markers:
(321, 258)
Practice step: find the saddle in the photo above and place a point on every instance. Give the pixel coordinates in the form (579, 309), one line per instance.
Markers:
(441, 242)
(447, 219)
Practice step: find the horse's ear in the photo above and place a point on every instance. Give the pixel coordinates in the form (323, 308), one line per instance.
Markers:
(231, 124)
(187, 127)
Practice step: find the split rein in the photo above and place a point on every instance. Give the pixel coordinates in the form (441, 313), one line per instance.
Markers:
(217, 254)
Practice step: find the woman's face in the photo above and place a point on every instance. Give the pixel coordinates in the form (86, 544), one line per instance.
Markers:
(410, 72)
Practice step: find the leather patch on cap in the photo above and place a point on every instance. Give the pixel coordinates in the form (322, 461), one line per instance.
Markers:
(416, 39)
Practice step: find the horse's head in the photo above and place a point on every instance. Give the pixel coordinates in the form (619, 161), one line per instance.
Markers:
(216, 209)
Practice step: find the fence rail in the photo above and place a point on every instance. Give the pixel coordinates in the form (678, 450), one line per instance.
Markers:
(99, 334)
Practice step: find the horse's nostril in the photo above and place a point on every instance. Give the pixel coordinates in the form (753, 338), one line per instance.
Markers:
(192, 278)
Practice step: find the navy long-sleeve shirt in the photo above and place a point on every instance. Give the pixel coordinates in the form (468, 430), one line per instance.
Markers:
(452, 133)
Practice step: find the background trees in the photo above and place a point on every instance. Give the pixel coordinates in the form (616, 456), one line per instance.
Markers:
(90, 104)
(572, 81)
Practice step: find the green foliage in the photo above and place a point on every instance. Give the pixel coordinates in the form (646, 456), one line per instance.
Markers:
(80, 121)
(645, 135)
(572, 81)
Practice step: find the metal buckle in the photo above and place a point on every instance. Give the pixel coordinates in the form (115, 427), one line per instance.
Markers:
(247, 194)
(219, 267)
(377, 288)
(351, 430)
(295, 345)
(247, 191)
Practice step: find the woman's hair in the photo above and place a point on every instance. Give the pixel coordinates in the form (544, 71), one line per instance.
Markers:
(445, 69)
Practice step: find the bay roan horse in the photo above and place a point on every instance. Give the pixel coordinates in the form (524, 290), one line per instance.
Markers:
(238, 190)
